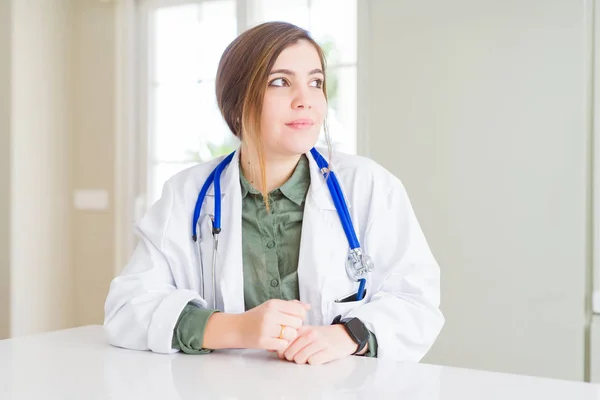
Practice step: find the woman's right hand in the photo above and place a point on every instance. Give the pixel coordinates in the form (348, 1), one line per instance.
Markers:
(260, 327)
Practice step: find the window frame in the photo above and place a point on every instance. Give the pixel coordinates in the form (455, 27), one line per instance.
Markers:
(133, 106)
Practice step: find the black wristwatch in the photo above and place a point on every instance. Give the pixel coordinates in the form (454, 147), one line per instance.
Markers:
(356, 330)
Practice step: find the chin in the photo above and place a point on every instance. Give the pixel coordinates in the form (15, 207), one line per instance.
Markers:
(298, 148)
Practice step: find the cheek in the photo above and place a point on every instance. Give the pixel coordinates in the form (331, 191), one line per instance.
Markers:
(271, 111)
(321, 107)
(271, 117)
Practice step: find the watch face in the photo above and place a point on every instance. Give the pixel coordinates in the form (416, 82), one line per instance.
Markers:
(358, 329)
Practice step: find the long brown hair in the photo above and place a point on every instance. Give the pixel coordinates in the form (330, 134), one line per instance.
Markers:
(241, 82)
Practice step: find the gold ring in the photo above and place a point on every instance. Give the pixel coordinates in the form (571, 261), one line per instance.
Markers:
(281, 332)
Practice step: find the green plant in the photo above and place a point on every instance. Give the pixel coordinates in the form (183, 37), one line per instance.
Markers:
(332, 58)
(214, 150)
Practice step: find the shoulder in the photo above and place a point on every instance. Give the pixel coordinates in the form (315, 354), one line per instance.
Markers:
(362, 171)
(180, 191)
(193, 176)
(177, 201)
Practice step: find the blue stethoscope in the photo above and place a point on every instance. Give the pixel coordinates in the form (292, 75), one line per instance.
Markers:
(358, 265)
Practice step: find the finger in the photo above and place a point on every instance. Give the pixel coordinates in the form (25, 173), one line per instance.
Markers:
(304, 330)
(289, 333)
(287, 320)
(280, 355)
(320, 358)
(297, 345)
(308, 351)
(305, 305)
(274, 344)
(292, 308)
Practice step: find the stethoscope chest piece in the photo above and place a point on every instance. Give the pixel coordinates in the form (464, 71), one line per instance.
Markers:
(358, 265)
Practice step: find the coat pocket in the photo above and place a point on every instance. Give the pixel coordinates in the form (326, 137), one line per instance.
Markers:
(343, 306)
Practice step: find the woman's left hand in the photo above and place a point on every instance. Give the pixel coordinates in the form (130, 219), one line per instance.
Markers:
(319, 345)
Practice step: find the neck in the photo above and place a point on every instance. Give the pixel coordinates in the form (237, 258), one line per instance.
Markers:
(278, 169)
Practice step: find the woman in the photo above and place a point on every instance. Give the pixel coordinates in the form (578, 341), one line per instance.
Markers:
(281, 282)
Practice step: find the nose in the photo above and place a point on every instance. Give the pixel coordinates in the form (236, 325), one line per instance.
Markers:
(301, 99)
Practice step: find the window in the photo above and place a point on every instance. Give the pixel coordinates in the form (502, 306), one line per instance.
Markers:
(182, 42)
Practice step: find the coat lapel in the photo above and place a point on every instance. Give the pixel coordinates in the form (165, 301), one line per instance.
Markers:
(229, 271)
(323, 249)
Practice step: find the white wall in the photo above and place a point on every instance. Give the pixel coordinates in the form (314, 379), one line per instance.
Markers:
(595, 349)
(94, 154)
(42, 274)
(5, 100)
(481, 108)
(62, 60)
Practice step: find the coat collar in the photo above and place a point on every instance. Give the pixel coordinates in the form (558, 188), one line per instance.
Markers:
(230, 177)
(318, 191)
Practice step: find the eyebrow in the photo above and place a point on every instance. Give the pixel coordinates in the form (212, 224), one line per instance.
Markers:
(292, 73)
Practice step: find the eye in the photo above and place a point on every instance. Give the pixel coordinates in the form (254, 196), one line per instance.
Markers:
(317, 83)
(279, 82)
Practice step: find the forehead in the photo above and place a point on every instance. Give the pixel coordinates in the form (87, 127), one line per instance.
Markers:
(299, 57)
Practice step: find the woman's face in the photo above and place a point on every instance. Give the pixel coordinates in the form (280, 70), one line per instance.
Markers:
(294, 105)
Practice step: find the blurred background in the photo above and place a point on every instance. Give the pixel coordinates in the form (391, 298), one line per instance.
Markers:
(485, 109)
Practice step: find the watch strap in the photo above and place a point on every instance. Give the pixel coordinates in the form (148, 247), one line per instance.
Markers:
(361, 345)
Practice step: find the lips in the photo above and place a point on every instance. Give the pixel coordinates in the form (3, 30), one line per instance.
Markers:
(303, 123)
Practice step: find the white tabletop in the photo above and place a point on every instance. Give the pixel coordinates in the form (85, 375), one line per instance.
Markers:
(79, 364)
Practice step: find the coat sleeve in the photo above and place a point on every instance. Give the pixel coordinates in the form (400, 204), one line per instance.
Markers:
(403, 309)
(143, 303)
